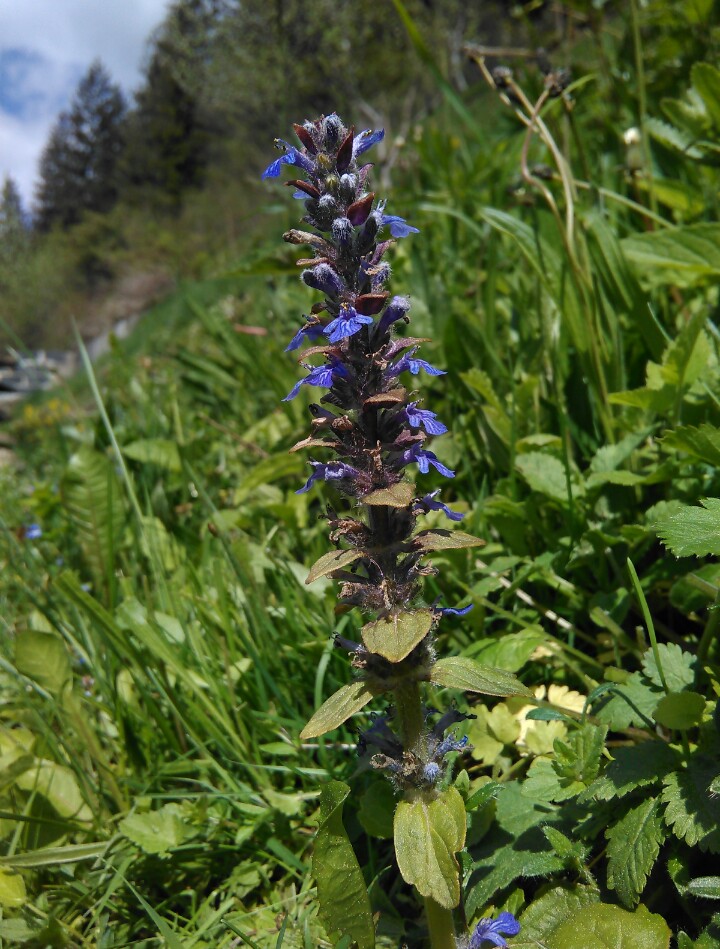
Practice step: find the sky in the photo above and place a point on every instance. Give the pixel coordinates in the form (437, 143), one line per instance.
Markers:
(45, 48)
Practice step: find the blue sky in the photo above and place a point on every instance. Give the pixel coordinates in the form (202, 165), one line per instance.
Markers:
(45, 47)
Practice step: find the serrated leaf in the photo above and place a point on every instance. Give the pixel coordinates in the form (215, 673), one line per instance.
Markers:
(545, 915)
(702, 442)
(545, 474)
(395, 636)
(342, 894)
(633, 845)
(399, 495)
(678, 666)
(632, 768)
(706, 80)
(506, 865)
(629, 703)
(441, 539)
(459, 672)
(428, 834)
(156, 832)
(681, 256)
(567, 850)
(706, 887)
(155, 451)
(511, 651)
(694, 531)
(331, 561)
(672, 137)
(692, 810)
(680, 710)
(337, 709)
(603, 926)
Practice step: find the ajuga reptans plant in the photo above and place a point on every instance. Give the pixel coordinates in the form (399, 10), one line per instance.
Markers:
(370, 430)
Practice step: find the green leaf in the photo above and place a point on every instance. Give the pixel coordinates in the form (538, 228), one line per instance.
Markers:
(43, 657)
(545, 474)
(155, 451)
(706, 79)
(703, 442)
(331, 561)
(459, 672)
(694, 531)
(678, 666)
(682, 256)
(633, 845)
(681, 710)
(511, 651)
(506, 865)
(399, 495)
(59, 786)
(630, 703)
(342, 895)
(158, 831)
(54, 856)
(395, 636)
(561, 904)
(428, 834)
(337, 709)
(692, 810)
(377, 806)
(441, 539)
(706, 887)
(602, 926)
(636, 767)
(12, 890)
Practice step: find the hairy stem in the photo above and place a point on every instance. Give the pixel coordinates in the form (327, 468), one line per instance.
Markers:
(440, 925)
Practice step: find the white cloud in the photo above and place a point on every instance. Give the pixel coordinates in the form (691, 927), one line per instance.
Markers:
(47, 46)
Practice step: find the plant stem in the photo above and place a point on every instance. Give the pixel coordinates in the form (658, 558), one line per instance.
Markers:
(440, 925)
(410, 714)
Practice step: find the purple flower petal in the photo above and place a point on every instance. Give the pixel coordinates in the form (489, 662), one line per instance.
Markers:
(332, 471)
(452, 611)
(428, 503)
(399, 227)
(408, 363)
(309, 332)
(423, 459)
(429, 420)
(347, 323)
(491, 930)
(322, 277)
(320, 376)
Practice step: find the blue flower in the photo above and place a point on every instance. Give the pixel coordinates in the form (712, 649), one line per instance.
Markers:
(428, 503)
(417, 417)
(408, 364)
(33, 532)
(451, 743)
(332, 471)
(322, 277)
(394, 311)
(431, 771)
(423, 459)
(452, 611)
(366, 139)
(291, 157)
(320, 376)
(493, 930)
(346, 323)
(309, 332)
(399, 227)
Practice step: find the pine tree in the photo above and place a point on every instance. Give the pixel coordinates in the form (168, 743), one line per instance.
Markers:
(13, 223)
(78, 168)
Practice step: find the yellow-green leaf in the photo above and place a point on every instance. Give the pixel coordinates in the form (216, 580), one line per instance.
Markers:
(442, 539)
(428, 834)
(459, 672)
(337, 709)
(43, 657)
(396, 636)
(12, 890)
(398, 495)
(333, 560)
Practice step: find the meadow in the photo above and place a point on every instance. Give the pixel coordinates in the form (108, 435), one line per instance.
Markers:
(161, 652)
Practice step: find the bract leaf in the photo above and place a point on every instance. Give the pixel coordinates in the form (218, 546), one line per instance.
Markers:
(396, 636)
(399, 495)
(337, 709)
(428, 834)
(459, 672)
(331, 561)
(441, 539)
(344, 903)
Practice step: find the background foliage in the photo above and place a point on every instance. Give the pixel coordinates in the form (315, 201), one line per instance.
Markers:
(161, 652)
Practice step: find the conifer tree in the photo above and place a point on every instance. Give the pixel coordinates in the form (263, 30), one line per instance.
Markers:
(13, 223)
(78, 168)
